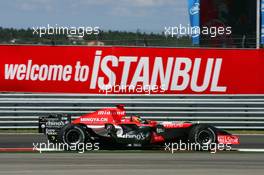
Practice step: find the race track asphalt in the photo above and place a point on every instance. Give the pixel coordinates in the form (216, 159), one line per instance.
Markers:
(125, 162)
(132, 163)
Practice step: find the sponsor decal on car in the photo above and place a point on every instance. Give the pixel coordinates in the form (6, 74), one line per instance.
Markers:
(111, 112)
(51, 131)
(170, 125)
(55, 124)
(228, 139)
(140, 136)
(160, 130)
(94, 119)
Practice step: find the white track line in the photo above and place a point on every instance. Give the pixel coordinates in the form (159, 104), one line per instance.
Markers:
(48, 150)
(250, 134)
(250, 150)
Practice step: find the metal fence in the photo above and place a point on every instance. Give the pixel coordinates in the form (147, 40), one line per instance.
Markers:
(228, 112)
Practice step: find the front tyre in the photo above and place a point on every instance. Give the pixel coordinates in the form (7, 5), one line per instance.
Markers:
(203, 136)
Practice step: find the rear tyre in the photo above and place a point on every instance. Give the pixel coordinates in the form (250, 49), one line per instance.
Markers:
(202, 137)
(73, 135)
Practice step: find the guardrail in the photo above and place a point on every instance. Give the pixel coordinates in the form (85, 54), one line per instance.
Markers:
(228, 112)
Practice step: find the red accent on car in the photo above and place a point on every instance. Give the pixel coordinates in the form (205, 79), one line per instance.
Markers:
(176, 125)
(157, 138)
(103, 116)
(228, 139)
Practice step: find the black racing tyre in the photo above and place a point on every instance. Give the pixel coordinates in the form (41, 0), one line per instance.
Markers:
(203, 136)
(73, 134)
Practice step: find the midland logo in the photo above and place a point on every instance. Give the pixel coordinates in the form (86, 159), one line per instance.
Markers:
(111, 112)
(195, 9)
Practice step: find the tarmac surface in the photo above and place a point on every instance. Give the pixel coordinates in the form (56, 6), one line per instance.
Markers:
(154, 162)
(232, 163)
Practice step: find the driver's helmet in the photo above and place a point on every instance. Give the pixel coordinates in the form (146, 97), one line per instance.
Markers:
(136, 119)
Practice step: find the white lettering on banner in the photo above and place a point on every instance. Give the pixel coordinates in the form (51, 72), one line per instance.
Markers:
(215, 87)
(185, 73)
(181, 73)
(172, 73)
(35, 72)
(207, 75)
(142, 68)
(108, 72)
(81, 72)
(158, 71)
(127, 62)
(95, 69)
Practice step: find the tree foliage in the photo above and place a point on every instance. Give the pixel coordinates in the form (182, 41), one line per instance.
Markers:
(123, 38)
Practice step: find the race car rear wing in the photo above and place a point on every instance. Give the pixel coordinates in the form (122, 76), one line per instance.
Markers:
(51, 124)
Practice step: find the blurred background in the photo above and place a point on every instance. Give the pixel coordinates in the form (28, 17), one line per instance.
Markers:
(130, 22)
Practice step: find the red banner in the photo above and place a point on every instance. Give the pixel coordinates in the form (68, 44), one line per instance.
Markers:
(130, 70)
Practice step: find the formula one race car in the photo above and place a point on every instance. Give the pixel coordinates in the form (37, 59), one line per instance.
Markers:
(111, 126)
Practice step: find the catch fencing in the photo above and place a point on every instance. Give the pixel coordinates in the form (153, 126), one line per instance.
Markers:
(19, 110)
